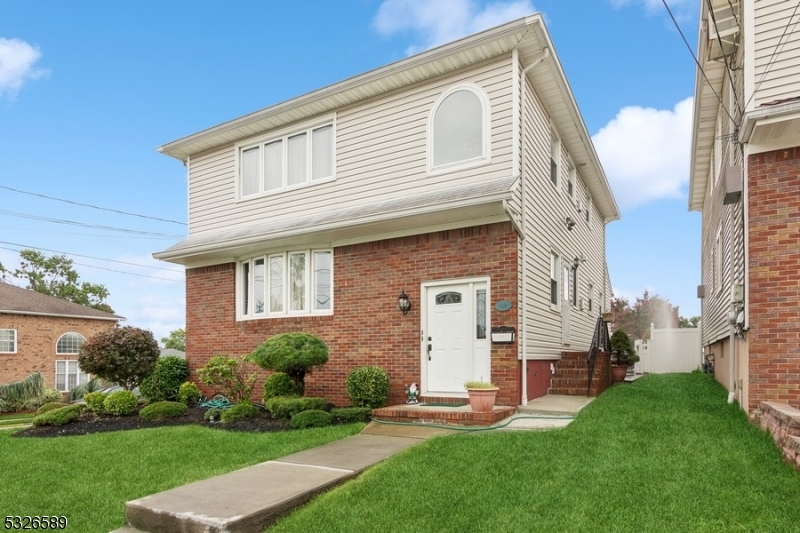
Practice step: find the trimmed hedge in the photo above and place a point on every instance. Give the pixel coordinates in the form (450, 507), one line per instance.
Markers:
(94, 401)
(188, 393)
(240, 411)
(311, 419)
(120, 403)
(288, 406)
(168, 375)
(50, 406)
(58, 417)
(348, 415)
(162, 410)
(279, 384)
(368, 386)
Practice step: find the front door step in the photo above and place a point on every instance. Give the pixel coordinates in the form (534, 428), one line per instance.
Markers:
(555, 405)
(439, 414)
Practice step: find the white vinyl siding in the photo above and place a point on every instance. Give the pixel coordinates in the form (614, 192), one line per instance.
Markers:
(777, 69)
(281, 284)
(8, 341)
(379, 154)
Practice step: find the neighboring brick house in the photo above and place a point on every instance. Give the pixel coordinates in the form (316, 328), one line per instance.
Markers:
(462, 178)
(39, 333)
(745, 179)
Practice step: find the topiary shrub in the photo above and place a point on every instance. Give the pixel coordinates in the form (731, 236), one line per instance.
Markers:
(296, 354)
(213, 414)
(162, 410)
(166, 379)
(49, 406)
(368, 386)
(622, 352)
(94, 401)
(120, 403)
(311, 419)
(279, 384)
(124, 355)
(228, 375)
(188, 393)
(58, 417)
(240, 411)
(288, 406)
(348, 415)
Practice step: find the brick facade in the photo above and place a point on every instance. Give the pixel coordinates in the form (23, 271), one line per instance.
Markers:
(774, 277)
(36, 343)
(366, 328)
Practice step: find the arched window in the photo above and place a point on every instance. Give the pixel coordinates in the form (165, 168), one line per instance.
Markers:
(69, 344)
(459, 128)
(68, 373)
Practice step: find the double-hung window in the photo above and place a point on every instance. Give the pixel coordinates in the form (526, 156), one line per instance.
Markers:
(286, 283)
(68, 373)
(553, 279)
(8, 341)
(299, 157)
(555, 157)
(571, 180)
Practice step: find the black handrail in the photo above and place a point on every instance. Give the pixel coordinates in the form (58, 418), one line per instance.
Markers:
(600, 339)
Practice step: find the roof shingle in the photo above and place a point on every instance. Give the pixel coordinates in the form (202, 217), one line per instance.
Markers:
(17, 300)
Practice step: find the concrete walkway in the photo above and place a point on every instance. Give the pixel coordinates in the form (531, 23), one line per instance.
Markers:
(250, 499)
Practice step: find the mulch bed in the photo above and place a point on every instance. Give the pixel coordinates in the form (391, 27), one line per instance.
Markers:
(89, 423)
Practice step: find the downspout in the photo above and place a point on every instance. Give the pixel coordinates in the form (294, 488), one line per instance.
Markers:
(523, 277)
(732, 392)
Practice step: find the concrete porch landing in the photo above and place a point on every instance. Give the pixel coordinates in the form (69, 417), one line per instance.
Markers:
(556, 405)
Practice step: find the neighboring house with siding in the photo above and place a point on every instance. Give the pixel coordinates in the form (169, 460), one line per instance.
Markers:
(463, 177)
(40, 333)
(745, 179)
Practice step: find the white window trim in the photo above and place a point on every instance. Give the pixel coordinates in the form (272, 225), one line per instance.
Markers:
(283, 134)
(554, 139)
(14, 340)
(67, 374)
(718, 269)
(486, 155)
(64, 335)
(555, 270)
(590, 297)
(589, 216)
(308, 279)
(572, 178)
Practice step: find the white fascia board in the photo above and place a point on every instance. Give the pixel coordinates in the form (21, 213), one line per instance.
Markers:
(58, 315)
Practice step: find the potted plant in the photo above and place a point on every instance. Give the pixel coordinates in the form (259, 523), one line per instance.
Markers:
(622, 355)
(481, 395)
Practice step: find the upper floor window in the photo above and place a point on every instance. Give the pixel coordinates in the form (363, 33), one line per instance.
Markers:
(8, 341)
(459, 128)
(589, 211)
(69, 344)
(296, 158)
(571, 181)
(590, 294)
(555, 157)
(553, 279)
(279, 284)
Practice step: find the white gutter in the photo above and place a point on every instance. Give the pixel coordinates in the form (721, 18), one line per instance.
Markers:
(523, 307)
(59, 315)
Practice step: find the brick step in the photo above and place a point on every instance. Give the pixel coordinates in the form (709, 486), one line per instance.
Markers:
(459, 416)
(569, 391)
(568, 382)
(570, 372)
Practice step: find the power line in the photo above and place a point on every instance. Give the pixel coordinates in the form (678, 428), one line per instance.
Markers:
(725, 57)
(92, 206)
(95, 235)
(697, 62)
(91, 257)
(94, 226)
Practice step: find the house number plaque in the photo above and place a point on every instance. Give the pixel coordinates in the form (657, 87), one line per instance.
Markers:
(503, 305)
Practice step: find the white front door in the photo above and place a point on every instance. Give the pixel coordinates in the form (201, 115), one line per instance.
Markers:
(455, 337)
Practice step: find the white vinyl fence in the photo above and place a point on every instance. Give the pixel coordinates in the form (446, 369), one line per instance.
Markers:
(669, 350)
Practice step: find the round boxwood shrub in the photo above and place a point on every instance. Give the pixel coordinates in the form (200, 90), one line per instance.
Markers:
(311, 419)
(240, 411)
(368, 386)
(279, 384)
(162, 410)
(58, 417)
(188, 393)
(94, 401)
(49, 406)
(296, 354)
(120, 403)
(166, 379)
(288, 406)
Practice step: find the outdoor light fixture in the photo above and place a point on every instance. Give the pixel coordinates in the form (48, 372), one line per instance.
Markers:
(576, 263)
(403, 303)
(570, 223)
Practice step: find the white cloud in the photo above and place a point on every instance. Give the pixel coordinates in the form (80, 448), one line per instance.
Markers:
(682, 9)
(435, 23)
(645, 153)
(17, 59)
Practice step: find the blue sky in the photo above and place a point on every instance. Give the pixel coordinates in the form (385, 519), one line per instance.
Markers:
(89, 90)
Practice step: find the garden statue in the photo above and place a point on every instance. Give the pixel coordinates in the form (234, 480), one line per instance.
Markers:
(412, 391)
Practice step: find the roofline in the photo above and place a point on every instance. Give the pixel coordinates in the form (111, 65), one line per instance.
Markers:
(698, 85)
(59, 315)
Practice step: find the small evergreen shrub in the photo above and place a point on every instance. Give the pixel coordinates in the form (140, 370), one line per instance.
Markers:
(296, 354)
(58, 417)
(311, 419)
(288, 406)
(188, 393)
(49, 406)
(166, 379)
(120, 403)
(213, 414)
(240, 411)
(162, 410)
(279, 384)
(368, 386)
(94, 401)
(348, 415)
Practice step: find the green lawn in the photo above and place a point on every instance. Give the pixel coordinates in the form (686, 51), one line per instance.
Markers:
(89, 478)
(666, 453)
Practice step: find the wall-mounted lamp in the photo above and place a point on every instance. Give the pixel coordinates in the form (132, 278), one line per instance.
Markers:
(578, 261)
(403, 303)
(570, 223)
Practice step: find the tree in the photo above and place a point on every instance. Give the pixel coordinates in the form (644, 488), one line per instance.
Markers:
(692, 322)
(648, 309)
(55, 276)
(122, 355)
(296, 354)
(229, 375)
(175, 340)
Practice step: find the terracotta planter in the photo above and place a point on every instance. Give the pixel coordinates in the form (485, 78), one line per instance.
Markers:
(618, 372)
(482, 400)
